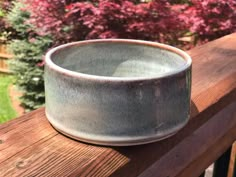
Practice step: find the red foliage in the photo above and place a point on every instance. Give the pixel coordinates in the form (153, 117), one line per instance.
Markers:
(158, 20)
(211, 19)
(47, 16)
(79, 20)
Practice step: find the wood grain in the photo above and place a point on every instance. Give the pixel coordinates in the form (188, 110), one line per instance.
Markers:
(219, 130)
(29, 146)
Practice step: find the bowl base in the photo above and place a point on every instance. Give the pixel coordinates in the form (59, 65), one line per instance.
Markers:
(121, 142)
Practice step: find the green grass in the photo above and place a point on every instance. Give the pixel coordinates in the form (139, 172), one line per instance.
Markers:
(6, 110)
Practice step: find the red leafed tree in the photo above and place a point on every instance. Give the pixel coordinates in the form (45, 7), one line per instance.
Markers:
(78, 20)
(211, 19)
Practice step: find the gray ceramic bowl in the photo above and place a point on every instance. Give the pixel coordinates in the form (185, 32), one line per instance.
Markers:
(116, 91)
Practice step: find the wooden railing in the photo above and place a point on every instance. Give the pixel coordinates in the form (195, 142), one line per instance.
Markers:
(29, 146)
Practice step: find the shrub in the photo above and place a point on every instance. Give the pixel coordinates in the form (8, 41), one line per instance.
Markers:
(3, 10)
(211, 19)
(28, 51)
(6, 31)
(49, 17)
(3, 26)
(2, 23)
(72, 21)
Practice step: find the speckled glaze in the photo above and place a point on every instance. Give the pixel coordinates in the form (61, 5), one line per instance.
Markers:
(117, 92)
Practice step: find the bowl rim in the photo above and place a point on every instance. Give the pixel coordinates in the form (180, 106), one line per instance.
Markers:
(181, 53)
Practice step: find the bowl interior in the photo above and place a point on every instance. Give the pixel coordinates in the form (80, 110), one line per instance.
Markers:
(114, 59)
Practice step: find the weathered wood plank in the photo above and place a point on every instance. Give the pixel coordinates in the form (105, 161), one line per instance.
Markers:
(5, 56)
(214, 71)
(32, 125)
(29, 146)
(206, 143)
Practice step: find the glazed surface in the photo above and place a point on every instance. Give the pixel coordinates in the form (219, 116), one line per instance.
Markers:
(118, 60)
(117, 93)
